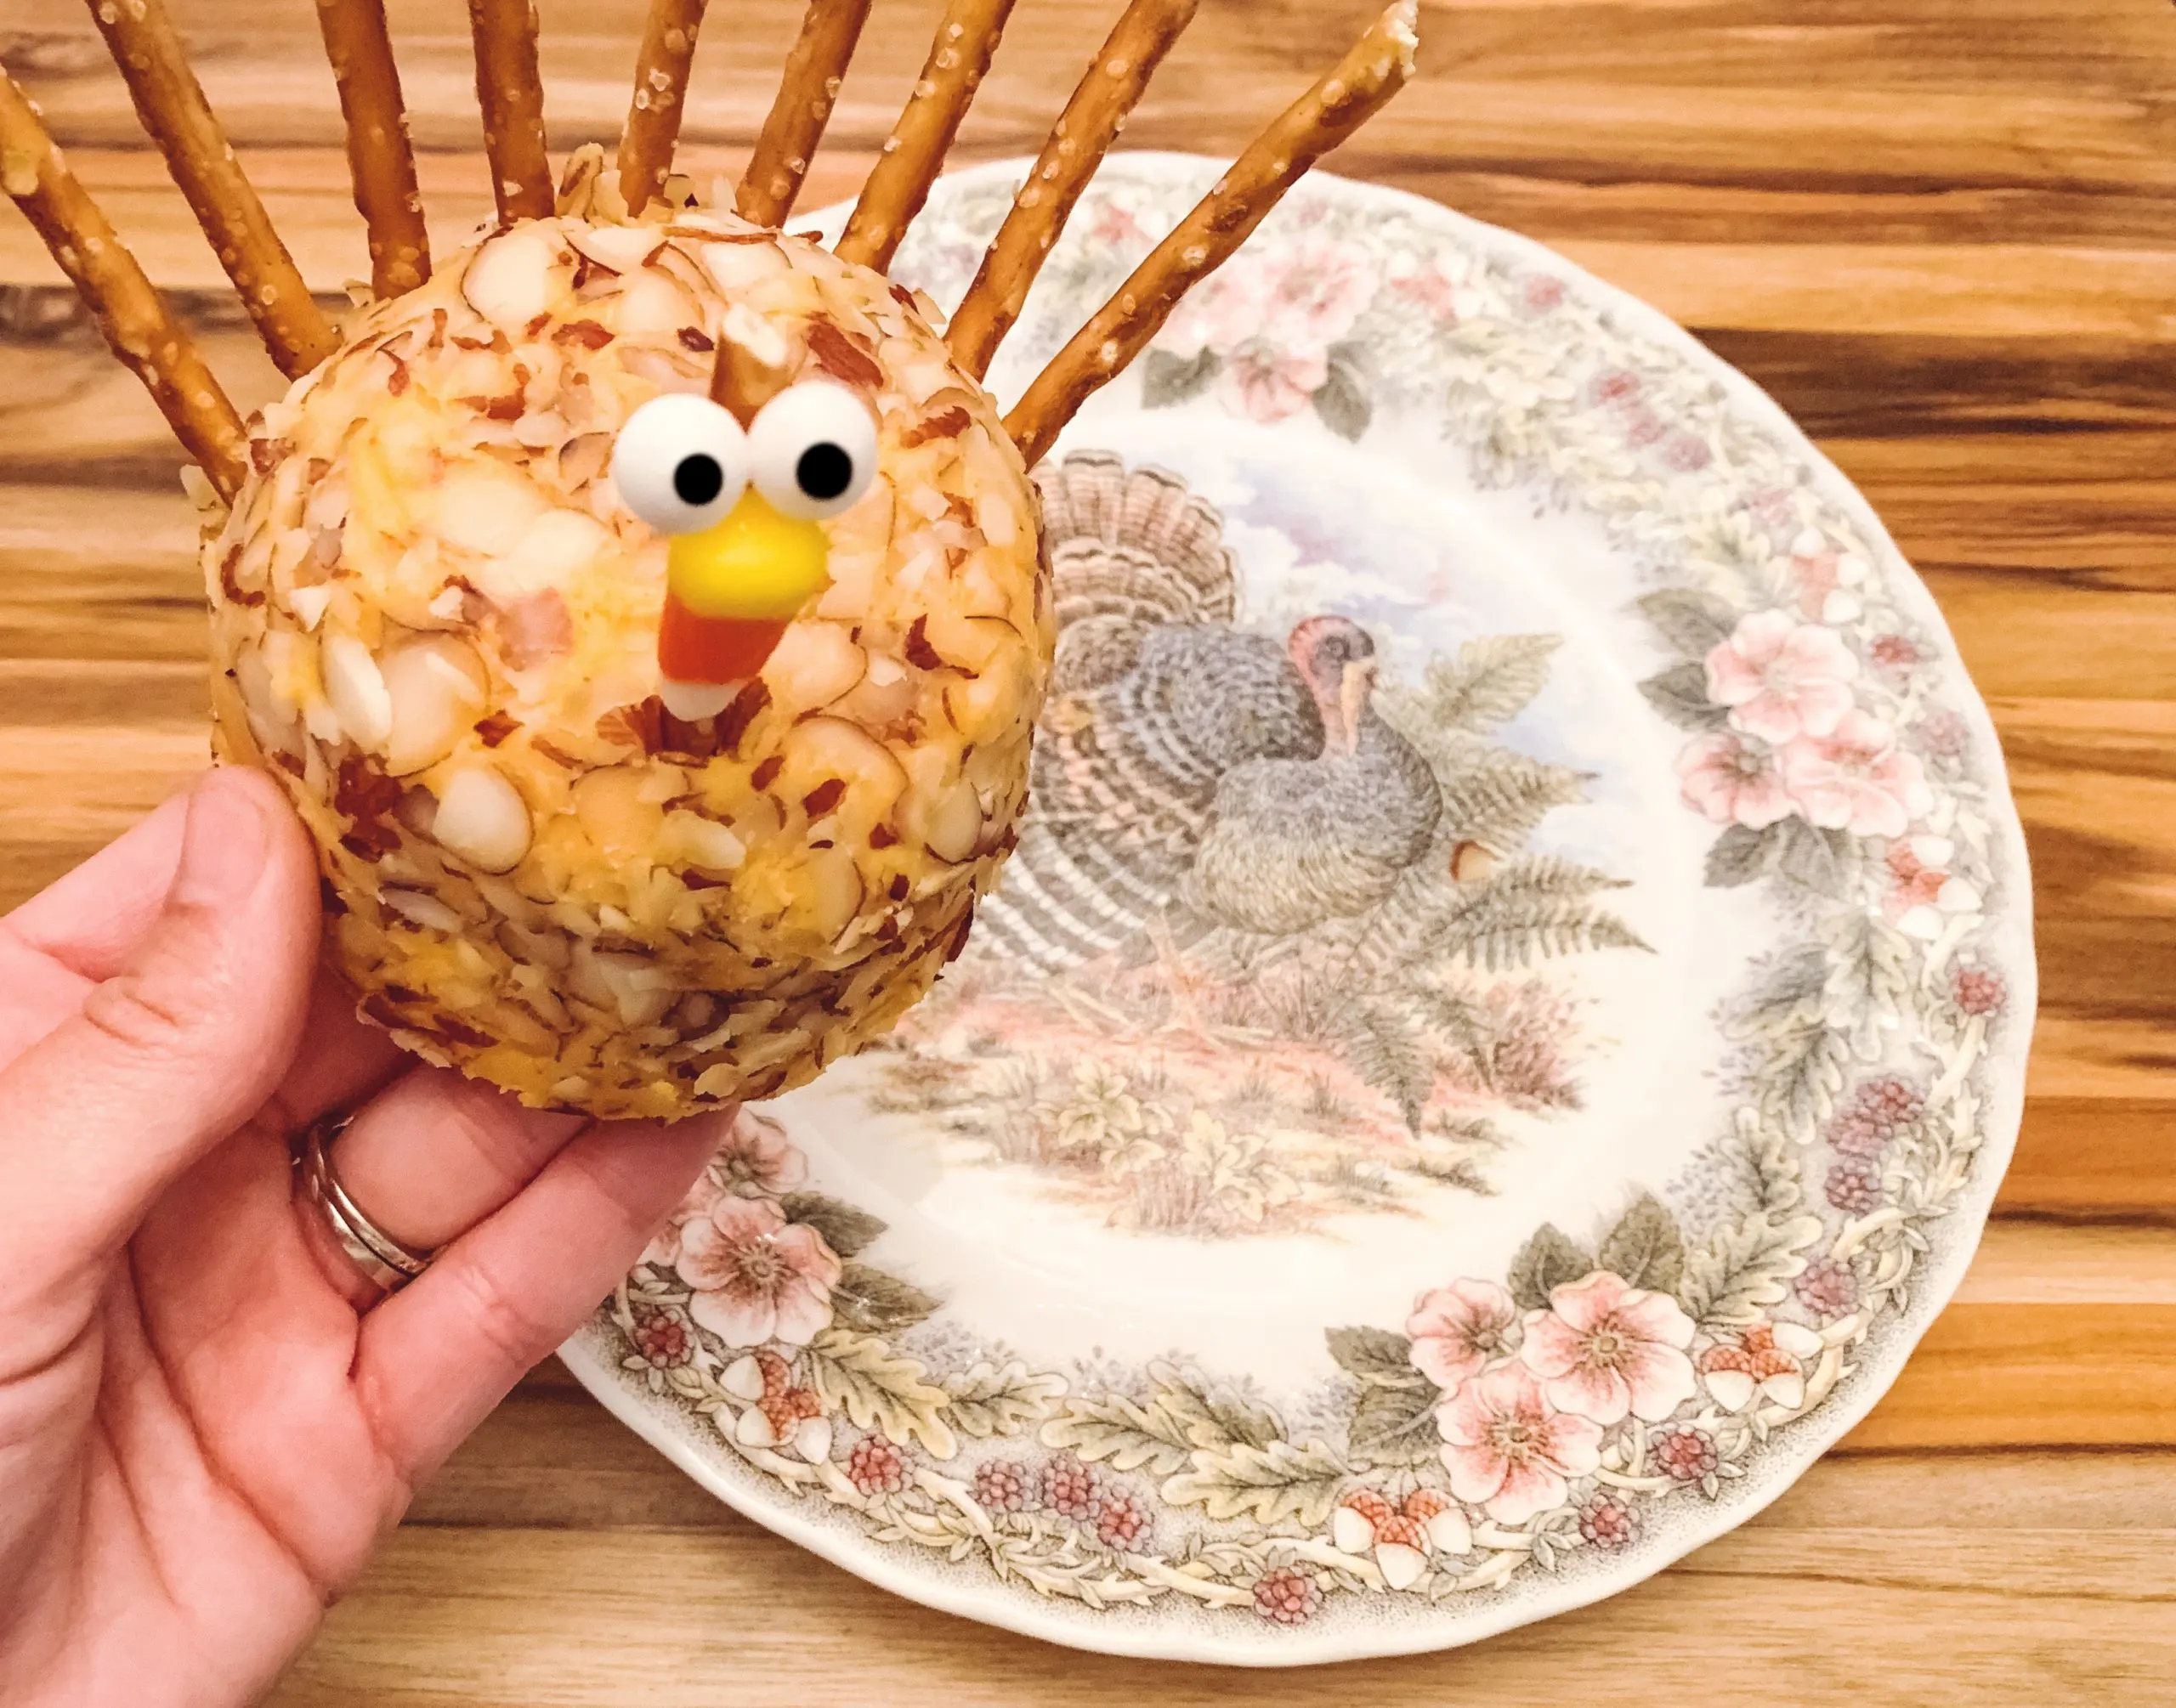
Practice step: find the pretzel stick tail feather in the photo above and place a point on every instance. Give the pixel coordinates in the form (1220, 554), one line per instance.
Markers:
(814, 70)
(145, 45)
(914, 154)
(660, 98)
(1083, 136)
(509, 91)
(1361, 84)
(133, 317)
(381, 160)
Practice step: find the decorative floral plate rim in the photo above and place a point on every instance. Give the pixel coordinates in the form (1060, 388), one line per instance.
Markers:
(1827, 1391)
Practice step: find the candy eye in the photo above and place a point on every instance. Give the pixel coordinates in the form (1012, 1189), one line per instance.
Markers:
(812, 450)
(680, 463)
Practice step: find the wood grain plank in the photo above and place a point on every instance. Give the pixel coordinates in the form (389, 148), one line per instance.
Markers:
(1715, 94)
(1926, 289)
(2094, 1159)
(538, 1617)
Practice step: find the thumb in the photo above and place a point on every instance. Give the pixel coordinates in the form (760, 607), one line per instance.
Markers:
(177, 1049)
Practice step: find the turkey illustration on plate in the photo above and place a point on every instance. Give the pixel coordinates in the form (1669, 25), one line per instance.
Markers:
(1257, 857)
(1192, 774)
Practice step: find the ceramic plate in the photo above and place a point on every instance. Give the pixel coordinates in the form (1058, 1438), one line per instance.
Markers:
(1503, 1030)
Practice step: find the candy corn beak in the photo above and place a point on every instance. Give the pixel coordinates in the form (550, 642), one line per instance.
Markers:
(730, 592)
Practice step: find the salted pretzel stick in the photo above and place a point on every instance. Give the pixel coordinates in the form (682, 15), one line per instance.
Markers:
(814, 71)
(512, 97)
(1375, 70)
(1083, 134)
(914, 154)
(145, 45)
(660, 96)
(380, 158)
(135, 320)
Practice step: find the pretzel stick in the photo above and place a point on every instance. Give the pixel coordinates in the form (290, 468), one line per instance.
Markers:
(380, 158)
(814, 71)
(144, 43)
(660, 96)
(1376, 70)
(512, 97)
(914, 154)
(1083, 134)
(135, 320)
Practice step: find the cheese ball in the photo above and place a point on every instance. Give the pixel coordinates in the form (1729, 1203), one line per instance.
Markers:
(436, 622)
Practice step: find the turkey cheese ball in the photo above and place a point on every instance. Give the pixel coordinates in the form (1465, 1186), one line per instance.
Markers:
(655, 756)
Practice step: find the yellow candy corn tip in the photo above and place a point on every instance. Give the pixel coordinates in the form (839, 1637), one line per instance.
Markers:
(755, 563)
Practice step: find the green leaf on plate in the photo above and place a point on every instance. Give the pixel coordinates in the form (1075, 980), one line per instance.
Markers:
(877, 1304)
(1645, 1248)
(1821, 860)
(847, 1231)
(1741, 855)
(1342, 400)
(1679, 693)
(1166, 379)
(1544, 1263)
(1271, 1485)
(1694, 622)
(1373, 1352)
(879, 1390)
(1396, 1426)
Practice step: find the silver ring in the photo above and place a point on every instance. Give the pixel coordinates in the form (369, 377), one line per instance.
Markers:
(380, 1259)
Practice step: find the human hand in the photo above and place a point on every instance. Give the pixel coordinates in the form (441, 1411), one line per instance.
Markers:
(208, 1418)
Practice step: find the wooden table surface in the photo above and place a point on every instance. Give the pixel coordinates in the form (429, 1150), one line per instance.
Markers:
(1943, 232)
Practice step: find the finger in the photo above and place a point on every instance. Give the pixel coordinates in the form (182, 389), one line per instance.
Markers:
(92, 921)
(343, 1059)
(81, 930)
(177, 1049)
(432, 1360)
(434, 1154)
(65, 939)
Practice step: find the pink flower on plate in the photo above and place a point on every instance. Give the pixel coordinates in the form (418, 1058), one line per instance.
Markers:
(1219, 317)
(756, 1276)
(1603, 1347)
(1270, 385)
(1456, 1331)
(1116, 226)
(1509, 1450)
(1857, 779)
(1733, 781)
(1426, 286)
(1782, 678)
(1314, 292)
(756, 1161)
(664, 1246)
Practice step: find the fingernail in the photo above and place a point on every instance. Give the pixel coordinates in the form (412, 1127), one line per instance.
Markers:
(221, 847)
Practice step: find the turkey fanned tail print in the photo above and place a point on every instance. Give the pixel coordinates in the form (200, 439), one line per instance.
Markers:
(1190, 775)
